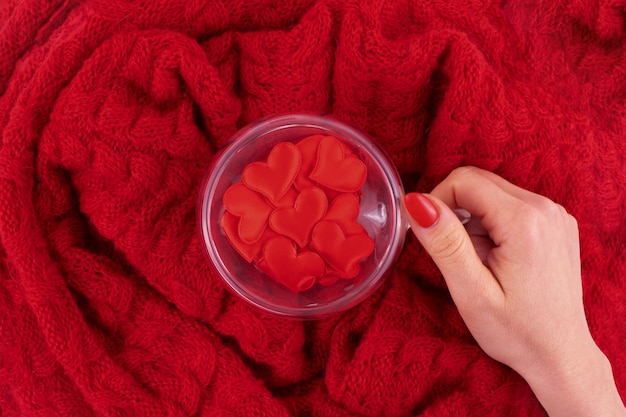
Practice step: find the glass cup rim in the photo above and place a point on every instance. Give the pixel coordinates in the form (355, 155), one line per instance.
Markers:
(321, 121)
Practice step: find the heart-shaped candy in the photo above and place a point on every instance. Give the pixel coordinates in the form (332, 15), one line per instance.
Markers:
(329, 278)
(337, 170)
(344, 210)
(296, 271)
(249, 252)
(351, 273)
(341, 252)
(289, 199)
(297, 222)
(274, 177)
(252, 210)
(308, 150)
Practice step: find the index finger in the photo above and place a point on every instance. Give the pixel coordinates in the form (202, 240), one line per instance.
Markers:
(483, 198)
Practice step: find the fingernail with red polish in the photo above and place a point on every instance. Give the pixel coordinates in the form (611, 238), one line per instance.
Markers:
(421, 209)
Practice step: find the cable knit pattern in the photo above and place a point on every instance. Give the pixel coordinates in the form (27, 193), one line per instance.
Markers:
(110, 113)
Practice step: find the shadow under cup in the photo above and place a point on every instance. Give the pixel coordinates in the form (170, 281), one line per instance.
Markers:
(380, 215)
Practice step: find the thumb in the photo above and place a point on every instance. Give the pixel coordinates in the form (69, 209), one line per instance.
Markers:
(443, 236)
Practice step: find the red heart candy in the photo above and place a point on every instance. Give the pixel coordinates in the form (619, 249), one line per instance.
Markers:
(262, 266)
(249, 252)
(308, 150)
(329, 278)
(274, 177)
(289, 199)
(337, 170)
(296, 271)
(297, 222)
(350, 273)
(344, 210)
(252, 210)
(341, 252)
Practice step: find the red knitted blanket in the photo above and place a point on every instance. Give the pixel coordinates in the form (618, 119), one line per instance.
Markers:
(111, 110)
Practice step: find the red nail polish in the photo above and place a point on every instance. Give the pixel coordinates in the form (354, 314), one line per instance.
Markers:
(421, 209)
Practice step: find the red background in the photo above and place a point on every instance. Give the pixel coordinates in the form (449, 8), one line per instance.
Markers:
(111, 110)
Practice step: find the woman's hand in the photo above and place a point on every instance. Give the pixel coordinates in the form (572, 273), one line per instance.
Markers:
(514, 274)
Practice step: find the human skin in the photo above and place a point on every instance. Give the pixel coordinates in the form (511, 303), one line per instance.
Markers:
(514, 274)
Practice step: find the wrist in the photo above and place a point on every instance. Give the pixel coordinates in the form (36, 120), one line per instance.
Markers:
(581, 387)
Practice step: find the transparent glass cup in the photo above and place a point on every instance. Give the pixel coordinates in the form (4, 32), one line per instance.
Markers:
(381, 215)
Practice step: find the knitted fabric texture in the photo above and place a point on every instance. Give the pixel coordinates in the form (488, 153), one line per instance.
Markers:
(111, 111)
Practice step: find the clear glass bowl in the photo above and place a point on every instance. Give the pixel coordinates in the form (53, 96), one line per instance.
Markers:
(381, 215)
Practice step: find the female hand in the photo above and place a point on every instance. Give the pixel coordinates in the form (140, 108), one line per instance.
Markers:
(514, 275)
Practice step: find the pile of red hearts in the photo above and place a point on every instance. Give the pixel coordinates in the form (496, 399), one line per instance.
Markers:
(294, 216)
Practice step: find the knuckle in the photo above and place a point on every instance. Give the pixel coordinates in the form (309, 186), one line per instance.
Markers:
(461, 173)
(447, 245)
(527, 213)
(532, 222)
(549, 208)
